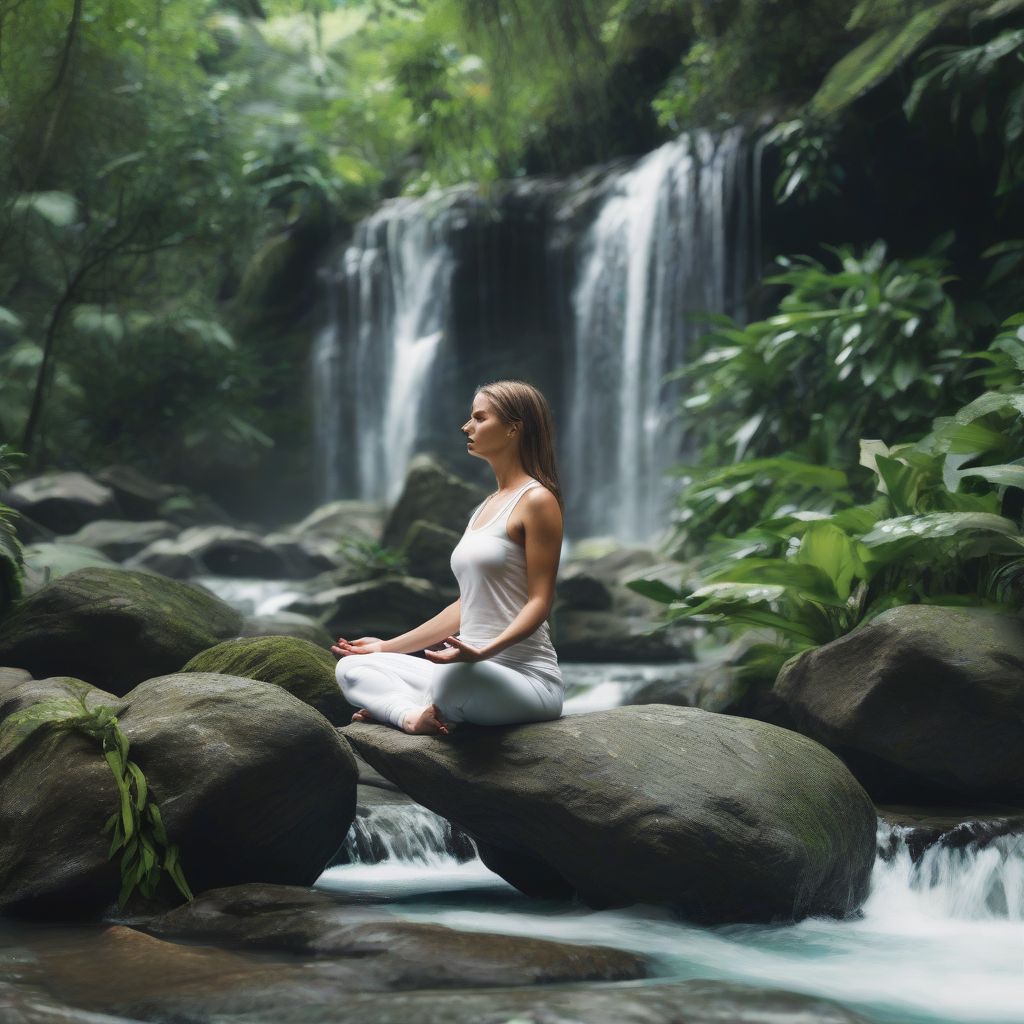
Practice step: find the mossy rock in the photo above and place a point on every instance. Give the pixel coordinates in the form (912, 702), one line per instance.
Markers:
(296, 665)
(113, 628)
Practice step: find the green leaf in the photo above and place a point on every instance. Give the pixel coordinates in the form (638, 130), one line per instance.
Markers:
(1005, 476)
(655, 590)
(937, 524)
(834, 554)
(141, 788)
(875, 59)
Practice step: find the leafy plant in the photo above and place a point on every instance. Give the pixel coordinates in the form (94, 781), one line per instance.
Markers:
(370, 559)
(137, 827)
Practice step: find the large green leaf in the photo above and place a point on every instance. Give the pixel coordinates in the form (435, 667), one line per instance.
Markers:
(1005, 475)
(875, 59)
(806, 579)
(834, 554)
(938, 524)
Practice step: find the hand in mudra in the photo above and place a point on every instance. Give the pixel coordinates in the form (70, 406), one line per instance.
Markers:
(456, 650)
(364, 645)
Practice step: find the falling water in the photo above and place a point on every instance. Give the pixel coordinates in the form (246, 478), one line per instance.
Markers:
(671, 241)
(376, 369)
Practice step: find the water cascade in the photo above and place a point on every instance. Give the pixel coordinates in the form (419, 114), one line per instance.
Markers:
(669, 243)
(588, 286)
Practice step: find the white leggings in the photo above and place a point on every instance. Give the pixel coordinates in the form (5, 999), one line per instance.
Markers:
(482, 692)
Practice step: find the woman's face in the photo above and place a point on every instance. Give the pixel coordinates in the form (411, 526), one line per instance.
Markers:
(485, 433)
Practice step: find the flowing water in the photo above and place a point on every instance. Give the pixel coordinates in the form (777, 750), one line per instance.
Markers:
(938, 940)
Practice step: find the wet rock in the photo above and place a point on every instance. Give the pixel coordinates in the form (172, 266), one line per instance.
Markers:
(609, 636)
(924, 703)
(137, 495)
(51, 560)
(13, 677)
(582, 591)
(389, 954)
(113, 627)
(252, 785)
(166, 558)
(63, 502)
(356, 520)
(720, 818)
(922, 828)
(298, 666)
(287, 624)
(433, 494)
(120, 539)
(384, 607)
(428, 548)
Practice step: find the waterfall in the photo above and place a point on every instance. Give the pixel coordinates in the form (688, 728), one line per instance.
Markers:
(374, 375)
(670, 241)
(403, 833)
(428, 297)
(979, 880)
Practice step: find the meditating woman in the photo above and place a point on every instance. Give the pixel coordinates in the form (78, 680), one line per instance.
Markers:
(501, 667)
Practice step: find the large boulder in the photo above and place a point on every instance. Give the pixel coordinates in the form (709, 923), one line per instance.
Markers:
(50, 560)
(298, 666)
(287, 624)
(433, 494)
(63, 502)
(252, 784)
(923, 703)
(428, 548)
(384, 607)
(722, 819)
(337, 520)
(119, 538)
(113, 628)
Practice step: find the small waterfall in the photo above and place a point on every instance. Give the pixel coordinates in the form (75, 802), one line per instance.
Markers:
(974, 880)
(404, 833)
(373, 374)
(671, 240)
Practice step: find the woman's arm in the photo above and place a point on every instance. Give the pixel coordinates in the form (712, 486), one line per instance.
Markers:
(433, 631)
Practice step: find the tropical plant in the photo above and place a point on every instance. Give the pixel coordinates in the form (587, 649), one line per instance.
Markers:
(12, 561)
(944, 527)
(881, 331)
(136, 827)
(370, 559)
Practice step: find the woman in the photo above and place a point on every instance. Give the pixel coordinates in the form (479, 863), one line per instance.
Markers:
(502, 668)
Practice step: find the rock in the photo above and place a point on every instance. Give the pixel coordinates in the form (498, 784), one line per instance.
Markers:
(287, 624)
(29, 531)
(428, 547)
(50, 561)
(582, 591)
(386, 953)
(356, 520)
(226, 551)
(113, 627)
(120, 539)
(433, 494)
(63, 502)
(251, 783)
(298, 666)
(137, 495)
(722, 819)
(384, 607)
(923, 703)
(166, 558)
(187, 508)
(12, 677)
(608, 636)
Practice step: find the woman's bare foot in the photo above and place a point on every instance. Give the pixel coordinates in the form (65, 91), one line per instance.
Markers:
(363, 715)
(427, 722)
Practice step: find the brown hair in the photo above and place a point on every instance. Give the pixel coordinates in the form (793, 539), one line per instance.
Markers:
(516, 400)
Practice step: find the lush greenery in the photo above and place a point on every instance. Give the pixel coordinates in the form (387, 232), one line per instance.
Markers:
(136, 827)
(11, 557)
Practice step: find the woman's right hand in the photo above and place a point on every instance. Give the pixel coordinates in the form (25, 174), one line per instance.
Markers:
(364, 645)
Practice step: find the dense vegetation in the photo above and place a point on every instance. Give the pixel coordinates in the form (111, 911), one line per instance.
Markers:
(172, 173)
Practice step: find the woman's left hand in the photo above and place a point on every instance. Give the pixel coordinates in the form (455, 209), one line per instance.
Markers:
(456, 651)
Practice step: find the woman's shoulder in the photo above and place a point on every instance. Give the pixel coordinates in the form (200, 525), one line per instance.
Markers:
(540, 501)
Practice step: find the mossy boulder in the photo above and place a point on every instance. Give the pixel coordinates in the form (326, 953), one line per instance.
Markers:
(252, 784)
(924, 703)
(50, 560)
(298, 666)
(719, 818)
(113, 628)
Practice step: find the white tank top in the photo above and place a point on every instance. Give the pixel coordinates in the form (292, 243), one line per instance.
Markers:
(491, 570)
